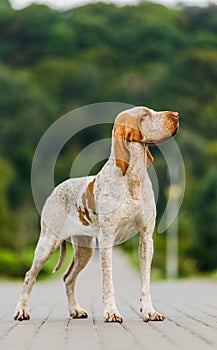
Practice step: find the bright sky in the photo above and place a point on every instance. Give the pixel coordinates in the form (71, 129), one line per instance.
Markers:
(66, 4)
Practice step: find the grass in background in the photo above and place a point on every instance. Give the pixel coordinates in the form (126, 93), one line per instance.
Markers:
(16, 264)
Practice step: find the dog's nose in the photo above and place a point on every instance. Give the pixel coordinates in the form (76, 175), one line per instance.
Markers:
(175, 115)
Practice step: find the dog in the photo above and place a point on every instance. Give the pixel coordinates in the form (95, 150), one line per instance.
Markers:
(110, 206)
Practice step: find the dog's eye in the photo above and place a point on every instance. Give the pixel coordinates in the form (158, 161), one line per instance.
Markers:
(144, 115)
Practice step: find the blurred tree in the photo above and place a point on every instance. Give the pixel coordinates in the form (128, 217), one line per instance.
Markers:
(25, 114)
(189, 86)
(204, 247)
(28, 31)
(148, 54)
(200, 17)
(7, 226)
(5, 4)
(71, 84)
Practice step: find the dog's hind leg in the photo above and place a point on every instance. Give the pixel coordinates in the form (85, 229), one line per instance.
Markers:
(83, 250)
(47, 244)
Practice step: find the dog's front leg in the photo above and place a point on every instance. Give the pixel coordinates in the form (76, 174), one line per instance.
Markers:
(146, 249)
(111, 313)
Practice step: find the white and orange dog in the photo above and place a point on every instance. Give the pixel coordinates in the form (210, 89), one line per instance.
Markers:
(110, 206)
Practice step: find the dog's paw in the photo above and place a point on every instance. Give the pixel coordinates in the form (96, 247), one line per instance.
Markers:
(152, 316)
(113, 317)
(21, 314)
(78, 313)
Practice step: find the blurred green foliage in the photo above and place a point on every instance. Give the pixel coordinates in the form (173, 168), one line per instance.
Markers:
(52, 62)
(15, 264)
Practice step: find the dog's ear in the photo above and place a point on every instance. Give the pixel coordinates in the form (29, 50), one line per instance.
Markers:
(125, 130)
(122, 153)
(150, 158)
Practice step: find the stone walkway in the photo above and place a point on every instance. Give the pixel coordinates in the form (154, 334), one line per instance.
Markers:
(190, 307)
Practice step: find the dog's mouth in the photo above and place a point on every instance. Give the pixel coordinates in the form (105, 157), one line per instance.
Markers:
(175, 131)
(172, 131)
(158, 142)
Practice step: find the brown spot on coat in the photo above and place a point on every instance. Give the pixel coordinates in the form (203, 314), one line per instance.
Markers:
(82, 216)
(88, 202)
(88, 199)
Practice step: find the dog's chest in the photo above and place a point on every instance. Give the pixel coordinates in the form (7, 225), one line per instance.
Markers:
(124, 207)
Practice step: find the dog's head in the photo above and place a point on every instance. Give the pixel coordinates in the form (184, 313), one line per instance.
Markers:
(143, 125)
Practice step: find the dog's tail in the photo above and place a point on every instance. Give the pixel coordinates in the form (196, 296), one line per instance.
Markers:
(68, 271)
(62, 256)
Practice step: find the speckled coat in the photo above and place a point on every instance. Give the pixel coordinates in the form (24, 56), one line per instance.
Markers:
(110, 206)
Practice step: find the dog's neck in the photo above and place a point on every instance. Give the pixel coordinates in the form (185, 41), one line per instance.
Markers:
(136, 178)
(137, 168)
(138, 162)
